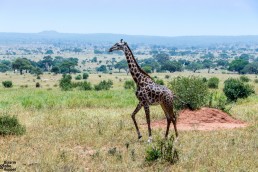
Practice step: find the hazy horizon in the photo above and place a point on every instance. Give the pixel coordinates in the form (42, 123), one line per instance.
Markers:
(146, 17)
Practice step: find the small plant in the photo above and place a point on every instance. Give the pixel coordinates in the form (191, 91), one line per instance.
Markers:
(38, 77)
(164, 150)
(104, 85)
(213, 82)
(65, 83)
(244, 78)
(78, 77)
(9, 125)
(191, 90)
(37, 85)
(129, 84)
(235, 89)
(7, 84)
(204, 79)
(85, 76)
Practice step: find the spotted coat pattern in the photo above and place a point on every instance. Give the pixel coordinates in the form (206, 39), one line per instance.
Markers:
(148, 92)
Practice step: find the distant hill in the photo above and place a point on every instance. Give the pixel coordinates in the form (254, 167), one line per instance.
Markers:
(50, 37)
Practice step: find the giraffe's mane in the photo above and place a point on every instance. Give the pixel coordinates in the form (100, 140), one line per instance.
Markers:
(140, 69)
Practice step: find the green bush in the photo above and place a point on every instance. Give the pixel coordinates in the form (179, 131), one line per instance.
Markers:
(66, 82)
(78, 77)
(244, 78)
(82, 85)
(255, 80)
(167, 76)
(7, 84)
(204, 79)
(85, 76)
(159, 81)
(191, 90)
(9, 125)
(104, 85)
(218, 100)
(213, 82)
(163, 150)
(234, 89)
(129, 84)
(37, 85)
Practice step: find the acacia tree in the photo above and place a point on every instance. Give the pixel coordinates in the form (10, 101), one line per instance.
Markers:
(237, 65)
(122, 65)
(21, 64)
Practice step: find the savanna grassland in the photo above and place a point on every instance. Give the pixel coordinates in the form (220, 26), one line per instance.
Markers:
(93, 130)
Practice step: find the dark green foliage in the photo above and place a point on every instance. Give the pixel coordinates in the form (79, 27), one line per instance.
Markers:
(191, 90)
(244, 78)
(213, 82)
(7, 84)
(160, 81)
(38, 77)
(172, 66)
(121, 65)
(55, 69)
(37, 85)
(163, 150)
(194, 66)
(85, 76)
(237, 65)
(255, 80)
(167, 76)
(129, 84)
(82, 85)
(102, 68)
(104, 85)
(9, 125)
(147, 69)
(234, 89)
(78, 77)
(65, 83)
(204, 79)
(251, 68)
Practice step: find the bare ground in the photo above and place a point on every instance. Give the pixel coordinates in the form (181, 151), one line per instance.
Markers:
(203, 119)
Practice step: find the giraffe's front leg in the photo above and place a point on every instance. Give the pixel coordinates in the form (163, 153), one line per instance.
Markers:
(139, 106)
(147, 112)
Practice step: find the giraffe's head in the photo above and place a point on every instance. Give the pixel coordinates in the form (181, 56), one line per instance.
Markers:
(118, 46)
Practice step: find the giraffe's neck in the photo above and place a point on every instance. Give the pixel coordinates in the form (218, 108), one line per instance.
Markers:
(137, 73)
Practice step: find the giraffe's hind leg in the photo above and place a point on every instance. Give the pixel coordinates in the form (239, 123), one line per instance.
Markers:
(167, 106)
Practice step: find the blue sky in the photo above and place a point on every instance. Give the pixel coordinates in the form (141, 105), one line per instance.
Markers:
(133, 17)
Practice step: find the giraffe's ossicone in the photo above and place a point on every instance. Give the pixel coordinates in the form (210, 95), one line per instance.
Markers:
(148, 92)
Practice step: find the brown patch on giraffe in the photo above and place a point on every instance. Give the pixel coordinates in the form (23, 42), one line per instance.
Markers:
(206, 119)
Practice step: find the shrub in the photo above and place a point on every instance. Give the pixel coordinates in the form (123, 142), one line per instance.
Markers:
(213, 82)
(191, 90)
(65, 83)
(9, 125)
(244, 78)
(167, 76)
(164, 150)
(78, 77)
(104, 85)
(82, 85)
(129, 84)
(7, 84)
(85, 76)
(38, 77)
(37, 85)
(218, 100)
(255, 80)
(234, 89)
(204, 79)
(159, 81)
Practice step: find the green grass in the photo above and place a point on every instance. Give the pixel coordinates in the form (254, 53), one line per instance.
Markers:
(93, 130)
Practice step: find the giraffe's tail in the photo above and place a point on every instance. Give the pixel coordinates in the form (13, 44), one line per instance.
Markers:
(183, 102)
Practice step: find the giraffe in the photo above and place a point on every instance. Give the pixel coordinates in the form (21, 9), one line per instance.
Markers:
(148, 92)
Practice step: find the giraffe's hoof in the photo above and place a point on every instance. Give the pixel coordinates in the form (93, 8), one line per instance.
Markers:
(150, 140)
(139, 137)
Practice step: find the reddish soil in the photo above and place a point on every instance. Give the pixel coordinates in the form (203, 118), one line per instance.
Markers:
(202, 119)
